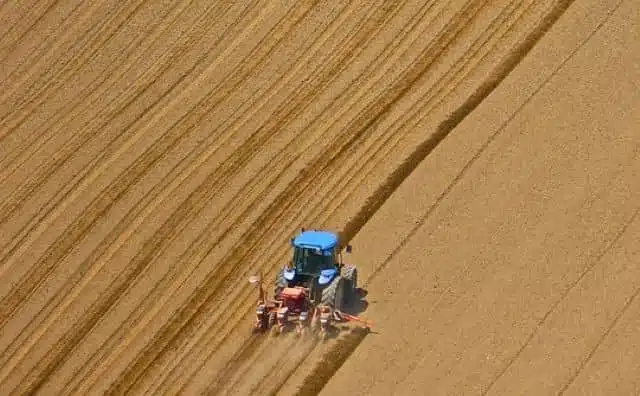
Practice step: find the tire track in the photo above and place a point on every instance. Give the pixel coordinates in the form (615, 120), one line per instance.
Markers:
(94, 63)
(6, 49)
(600, 341)
(609, 246)
(46, 209)
(212, 288)
(85, 180)
(461, 113)
(617, 318)
(146, 254)
(216, 221)
(384, 145)
(183, 120)
(113, 18)
(72, 142)
(347, 150)
(295, 183)
(449, 124)
(294, 193)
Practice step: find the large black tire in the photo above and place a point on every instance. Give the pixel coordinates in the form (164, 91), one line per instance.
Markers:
(333, 294)
(350, 275)
(280, 284)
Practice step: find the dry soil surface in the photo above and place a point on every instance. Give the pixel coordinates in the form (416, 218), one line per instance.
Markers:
(482, 157)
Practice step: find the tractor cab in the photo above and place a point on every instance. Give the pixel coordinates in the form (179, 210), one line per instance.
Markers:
(314, 255)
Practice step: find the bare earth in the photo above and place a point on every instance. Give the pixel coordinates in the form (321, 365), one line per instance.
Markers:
(482, 157)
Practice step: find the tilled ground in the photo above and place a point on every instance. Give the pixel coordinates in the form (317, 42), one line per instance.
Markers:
(480, 156)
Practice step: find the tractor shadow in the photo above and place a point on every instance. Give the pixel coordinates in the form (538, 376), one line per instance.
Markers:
(359, 304)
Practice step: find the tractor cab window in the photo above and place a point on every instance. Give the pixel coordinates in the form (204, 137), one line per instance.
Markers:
(312, 261)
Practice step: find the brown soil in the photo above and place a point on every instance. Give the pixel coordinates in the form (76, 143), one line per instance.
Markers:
(480, 156)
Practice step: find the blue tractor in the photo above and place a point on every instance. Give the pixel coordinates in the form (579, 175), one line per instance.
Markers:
(317, 265)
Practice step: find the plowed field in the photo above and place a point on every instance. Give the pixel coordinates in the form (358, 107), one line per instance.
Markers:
(482, 157)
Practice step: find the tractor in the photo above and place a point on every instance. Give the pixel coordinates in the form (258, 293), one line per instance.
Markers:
(317, 266)
(312, 289)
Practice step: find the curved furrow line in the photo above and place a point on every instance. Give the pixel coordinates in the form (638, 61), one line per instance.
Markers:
(369, 160)
(503, 69)
(294, 194)
(82, 180)
(92, 91)
(31, 19)
(205, 343)
(131, 56)
(124, 281)
(527, 41)
(51, 148)
(377, 149)
(31, 138)
(39, 39)
(125, 228)
(10, 13)
(121, 147)
(268, 255)
(209, 288)
(221, 182)
(45, 209)
(372, 153)
(38, 81)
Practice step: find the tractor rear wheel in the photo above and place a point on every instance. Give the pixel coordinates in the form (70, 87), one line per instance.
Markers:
(333, 295)
(350, 275)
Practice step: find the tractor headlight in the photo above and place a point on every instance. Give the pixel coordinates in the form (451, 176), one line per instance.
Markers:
(303, 316)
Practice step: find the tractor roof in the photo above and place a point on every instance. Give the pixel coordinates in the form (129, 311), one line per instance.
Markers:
(316, 239)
